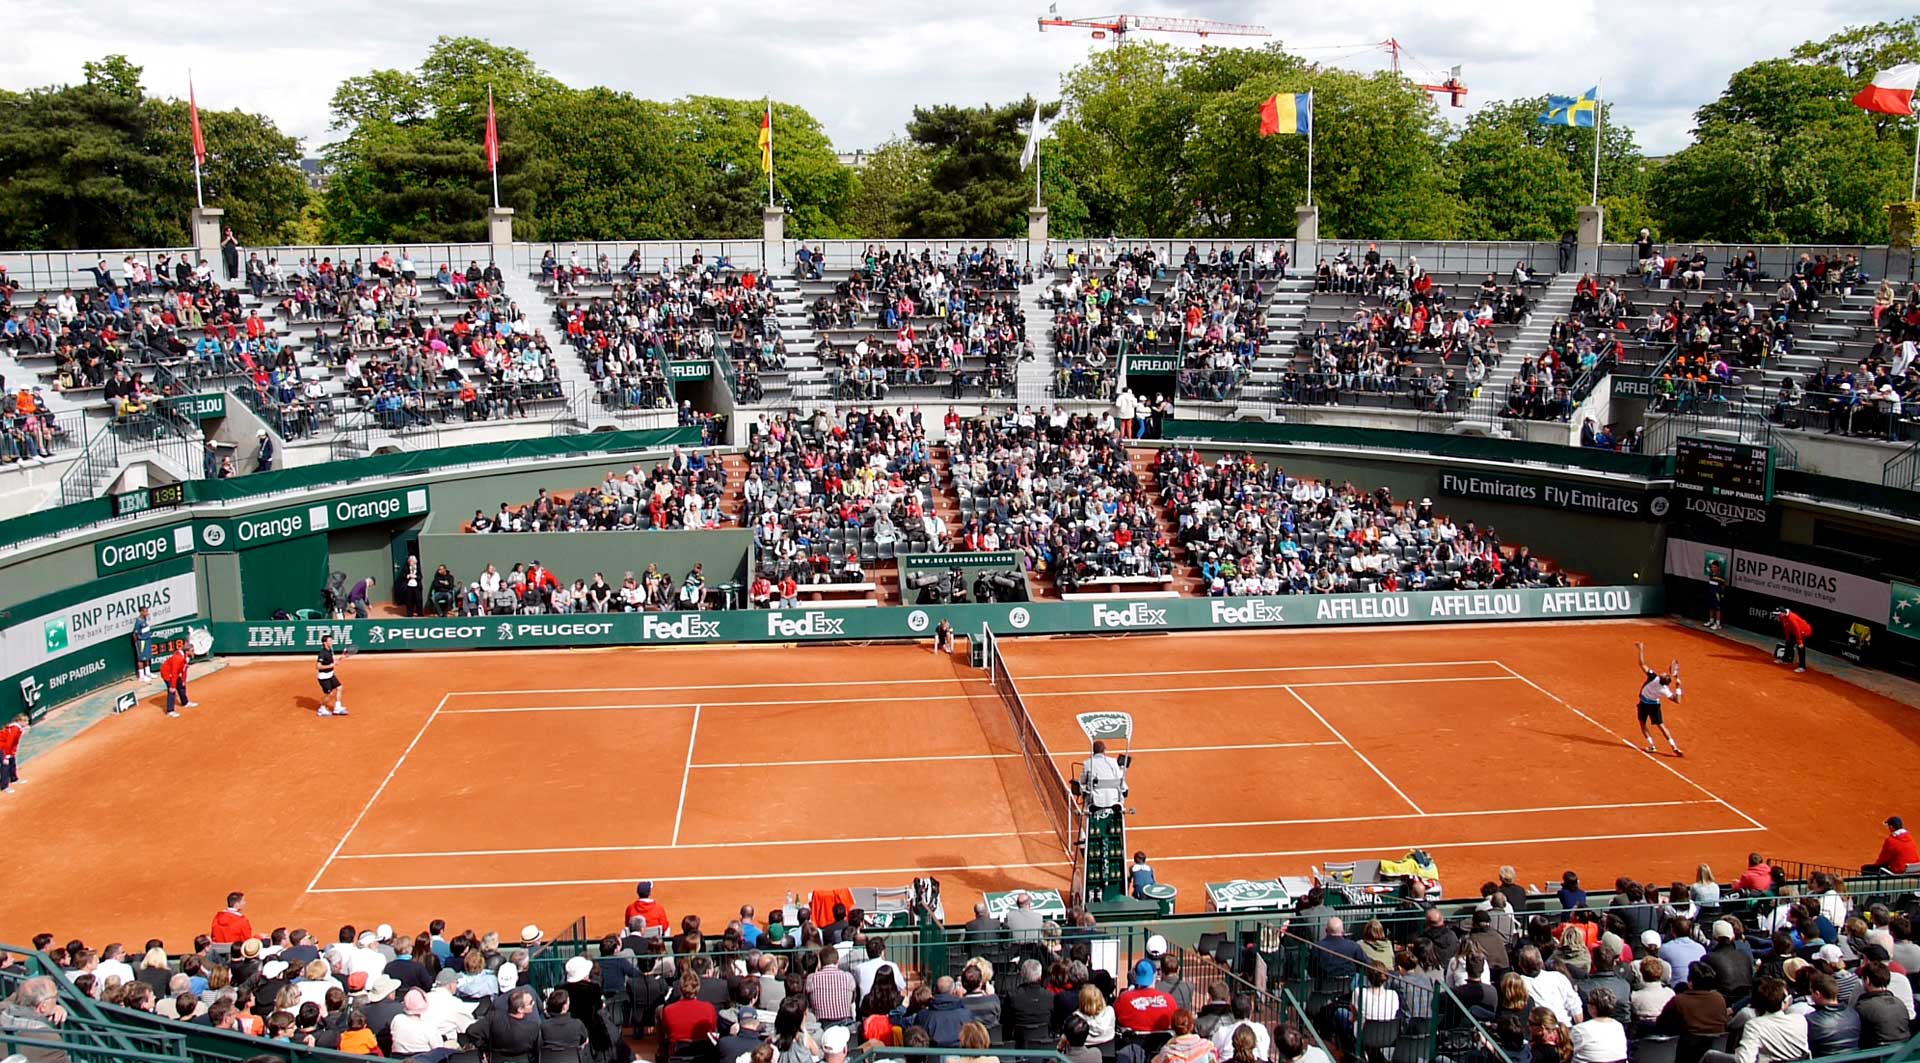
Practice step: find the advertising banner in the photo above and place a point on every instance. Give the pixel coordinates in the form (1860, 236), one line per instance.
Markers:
(1903, 617)
(900, 622)
(69, 644)
(279, 525)
(1809, 584)
(1633, 503)
(148, 547)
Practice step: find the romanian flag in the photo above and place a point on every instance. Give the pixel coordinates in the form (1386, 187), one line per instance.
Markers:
(1577, 111)
(766, 139)
(493, 135)
(1287, 112)
(1891, 91)
(193, 116)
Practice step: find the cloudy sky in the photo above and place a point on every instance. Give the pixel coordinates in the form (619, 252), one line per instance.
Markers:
(861, 67)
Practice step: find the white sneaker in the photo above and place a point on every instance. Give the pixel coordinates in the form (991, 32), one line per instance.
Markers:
(341, 711)
(173, 714)
(1799, 669)
(193, 705)
(324, 712)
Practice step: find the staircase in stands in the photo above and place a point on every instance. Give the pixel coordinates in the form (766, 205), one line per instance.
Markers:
(1186, 574)
(1555, 301)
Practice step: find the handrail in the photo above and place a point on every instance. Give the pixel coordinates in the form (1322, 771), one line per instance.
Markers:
(1903, 469)
(120, 438)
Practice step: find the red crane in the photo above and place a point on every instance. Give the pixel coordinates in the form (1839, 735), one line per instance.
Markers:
(1453, 87)
(1118, 26)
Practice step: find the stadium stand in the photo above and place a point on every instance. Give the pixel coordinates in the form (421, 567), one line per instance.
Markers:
(1809, 958)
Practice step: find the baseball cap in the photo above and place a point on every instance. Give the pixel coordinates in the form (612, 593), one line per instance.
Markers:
(579, 968)
(273, 968)
(1143, 973)
(384, 933)
(508, 976)
(1830, 954)
(1896, 823)
(1792, 967)
(1722, 930)
(1650, 938)
(1156, 945)
(367, 939)
(834, 1039)
(447, 976)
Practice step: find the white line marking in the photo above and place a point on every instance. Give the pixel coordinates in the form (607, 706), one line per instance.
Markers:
(715, 686)
(1363, 757)
(998, 756)
(722, 704)
(693, 735)
(988, 694)
(382, 788)
(810, 876)
(561, 850)
(1677, 773)
(1267, 686)
(1448, 845)
(1411, 815)
(1238, 671)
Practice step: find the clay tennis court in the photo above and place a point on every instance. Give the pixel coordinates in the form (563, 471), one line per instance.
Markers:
(498, 789)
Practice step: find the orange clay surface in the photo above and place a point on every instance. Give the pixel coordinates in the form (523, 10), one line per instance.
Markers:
(495, 790)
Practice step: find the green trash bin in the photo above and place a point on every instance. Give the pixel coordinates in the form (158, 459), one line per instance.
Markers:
(1162, 895)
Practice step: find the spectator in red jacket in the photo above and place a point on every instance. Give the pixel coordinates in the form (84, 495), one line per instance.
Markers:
(1898, 852)
(1144, 1009)
(1796, 631)
(645, 907)
(230, 924)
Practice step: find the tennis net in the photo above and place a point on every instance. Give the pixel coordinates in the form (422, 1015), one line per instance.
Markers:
(1055, 798)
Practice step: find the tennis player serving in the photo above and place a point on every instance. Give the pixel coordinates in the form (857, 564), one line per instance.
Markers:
(1657, 686)
(329, 682)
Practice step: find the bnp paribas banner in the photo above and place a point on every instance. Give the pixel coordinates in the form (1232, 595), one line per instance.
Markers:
(74, 642)
(1903, 616)
(901, 622)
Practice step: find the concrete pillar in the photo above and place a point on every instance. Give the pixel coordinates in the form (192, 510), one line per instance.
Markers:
(773, 237)
(1590, 231)
(204, 226)
(1306, 239)
(1036, 234)
(500, 237)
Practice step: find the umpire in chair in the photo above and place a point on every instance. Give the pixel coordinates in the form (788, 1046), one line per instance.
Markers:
(1104, 779)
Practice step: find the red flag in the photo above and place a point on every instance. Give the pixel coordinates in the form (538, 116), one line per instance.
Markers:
(1891, 91)
(493, 136)
(193, 113)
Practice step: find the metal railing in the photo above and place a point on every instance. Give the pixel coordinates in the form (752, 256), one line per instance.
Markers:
(55, 434)
(153, 432)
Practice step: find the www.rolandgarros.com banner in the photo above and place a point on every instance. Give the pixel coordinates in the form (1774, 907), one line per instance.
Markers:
(901, 622)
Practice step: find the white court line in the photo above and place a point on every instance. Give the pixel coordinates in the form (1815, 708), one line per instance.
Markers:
(1363, 757)
(1000, 756)
(988, 694)
(1240, 671)
(863, 873)
(1497, 842)
(693, 735)
(1412, 815)
(1630, 745)
(382, 788)
(566, 849)
(723, 686)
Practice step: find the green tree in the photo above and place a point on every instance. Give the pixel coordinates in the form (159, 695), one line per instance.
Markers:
(1520, 180)
(607, 163)
(975, 187)
(886, 188)
(723, 137)
(101, 164)
(1862, 51)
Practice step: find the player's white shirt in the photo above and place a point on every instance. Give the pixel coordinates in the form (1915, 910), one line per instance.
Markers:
(1656, 688)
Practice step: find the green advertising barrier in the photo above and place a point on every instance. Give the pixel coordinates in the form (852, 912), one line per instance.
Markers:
(279, 525)
(904, 622)
(689, 370)
(1153, 364)
(207, 407)
(1903, 615)
(79, 640)
(1435, 444)
(149, 547)
(1608, 500)
(1046, 902)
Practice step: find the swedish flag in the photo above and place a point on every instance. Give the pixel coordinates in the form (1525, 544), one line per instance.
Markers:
(1573, 110)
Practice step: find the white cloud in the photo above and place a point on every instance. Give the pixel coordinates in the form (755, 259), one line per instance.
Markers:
(861, 67)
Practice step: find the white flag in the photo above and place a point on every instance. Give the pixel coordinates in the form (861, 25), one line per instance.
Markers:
(1033, 140)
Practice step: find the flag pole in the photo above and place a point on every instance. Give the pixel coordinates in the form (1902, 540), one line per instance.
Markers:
(1310, 135)
(493, 150)
(1599, 125)
(1913, 191)
(199, 197)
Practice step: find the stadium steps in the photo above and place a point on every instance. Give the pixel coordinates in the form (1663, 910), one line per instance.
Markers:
(946, 500)
(1033, 384)
(885, 577)
(805, 376)
(1186, 575)
(733, 502)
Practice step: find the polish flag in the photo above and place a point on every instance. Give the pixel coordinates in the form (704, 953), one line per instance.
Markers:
(200, 142)
(1891, 91)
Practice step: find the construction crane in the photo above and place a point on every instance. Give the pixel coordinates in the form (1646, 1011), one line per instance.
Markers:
(1455, 90)
(1118, 26)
